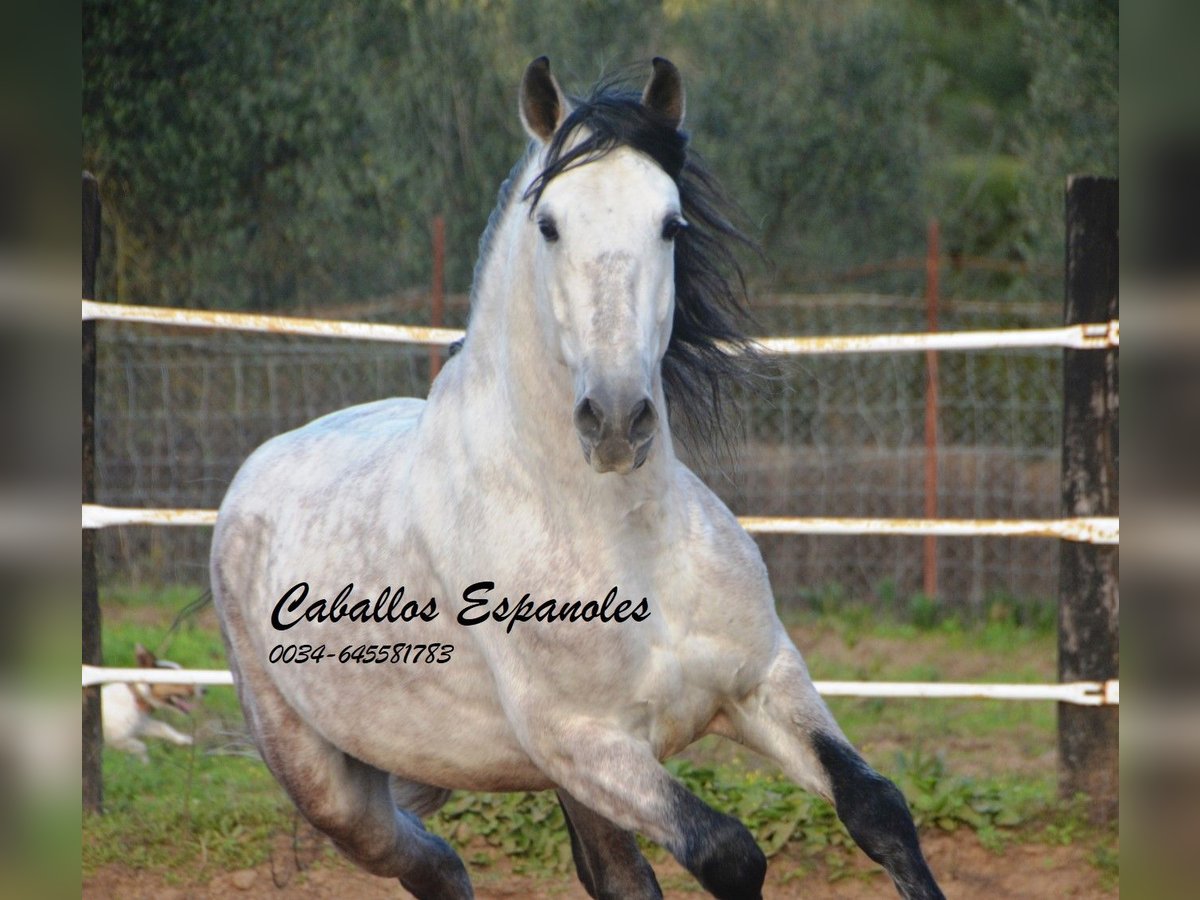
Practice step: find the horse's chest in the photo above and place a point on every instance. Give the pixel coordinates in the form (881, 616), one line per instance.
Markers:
(684, 678)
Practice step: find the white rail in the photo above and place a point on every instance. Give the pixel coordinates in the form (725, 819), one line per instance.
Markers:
(1099, 336)
(93, 675)
(197, 318)
(95, 516)
(1084, 529)
(1082, 693)
(1093, 530)
(1081, 337)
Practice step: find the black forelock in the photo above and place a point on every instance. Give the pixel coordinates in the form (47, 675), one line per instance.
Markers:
(610, 118)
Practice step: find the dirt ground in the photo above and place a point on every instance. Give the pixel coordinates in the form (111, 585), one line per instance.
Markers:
(965, 869)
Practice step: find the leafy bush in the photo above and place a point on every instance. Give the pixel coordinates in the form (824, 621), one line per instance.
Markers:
(528, 829)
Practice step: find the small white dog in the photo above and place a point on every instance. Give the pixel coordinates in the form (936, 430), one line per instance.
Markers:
(127, 708)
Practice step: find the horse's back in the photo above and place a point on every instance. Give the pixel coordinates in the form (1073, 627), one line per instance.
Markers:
(308, 477)
(342, 447)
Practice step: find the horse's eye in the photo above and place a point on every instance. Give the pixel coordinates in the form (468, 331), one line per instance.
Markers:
(672, 226)
(547, 228)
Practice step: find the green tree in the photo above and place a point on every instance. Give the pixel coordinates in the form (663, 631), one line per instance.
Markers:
(816, 119)
(276, 153)
(1070, 126)
(199, 121)
(279, 153)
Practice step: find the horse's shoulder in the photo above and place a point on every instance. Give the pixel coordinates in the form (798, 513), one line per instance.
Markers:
(711, 526)
(719, 559)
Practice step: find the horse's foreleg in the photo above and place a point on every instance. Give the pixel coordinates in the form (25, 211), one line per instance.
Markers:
(786, 720)
(618, 778)
(607, 858)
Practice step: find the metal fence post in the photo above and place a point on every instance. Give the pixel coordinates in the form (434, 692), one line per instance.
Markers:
(1089, 599)
(932, 291)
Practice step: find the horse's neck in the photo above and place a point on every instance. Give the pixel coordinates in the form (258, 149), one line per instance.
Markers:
(508, 358)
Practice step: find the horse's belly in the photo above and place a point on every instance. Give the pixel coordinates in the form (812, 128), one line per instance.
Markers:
(431, 717)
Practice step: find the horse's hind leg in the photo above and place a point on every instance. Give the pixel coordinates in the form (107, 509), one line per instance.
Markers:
(351, 801)
(786, 720)
(608, 860)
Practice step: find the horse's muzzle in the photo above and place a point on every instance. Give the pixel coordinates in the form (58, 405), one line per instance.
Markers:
(616, 433)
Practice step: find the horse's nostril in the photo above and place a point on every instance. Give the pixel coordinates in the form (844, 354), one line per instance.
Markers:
(643, 419)
(589, 421)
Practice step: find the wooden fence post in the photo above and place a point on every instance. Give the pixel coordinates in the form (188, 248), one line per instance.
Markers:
(93, 733)
(1089, 599)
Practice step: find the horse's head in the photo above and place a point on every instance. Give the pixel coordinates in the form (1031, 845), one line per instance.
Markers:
(604, 213)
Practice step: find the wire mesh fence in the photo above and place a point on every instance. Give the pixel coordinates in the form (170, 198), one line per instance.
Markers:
(178, 411)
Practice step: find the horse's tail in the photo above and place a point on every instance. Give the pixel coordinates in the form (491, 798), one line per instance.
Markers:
(191, 609)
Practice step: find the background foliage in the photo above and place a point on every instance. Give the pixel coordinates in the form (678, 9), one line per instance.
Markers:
(273, 154)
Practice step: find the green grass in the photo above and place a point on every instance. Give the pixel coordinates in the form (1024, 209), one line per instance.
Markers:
(185, 810)
(192, 808)
(986, 766)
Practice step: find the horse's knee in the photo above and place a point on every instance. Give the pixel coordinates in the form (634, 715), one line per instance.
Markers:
(876, 814)
(392, 843)
(335, 792)
(718, 849)
(357, 825)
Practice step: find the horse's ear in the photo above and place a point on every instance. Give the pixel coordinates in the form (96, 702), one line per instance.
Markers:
(145, 659)
(664, 91)
(543, 105)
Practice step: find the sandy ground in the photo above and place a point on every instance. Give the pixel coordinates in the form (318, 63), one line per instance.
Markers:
(965, 869)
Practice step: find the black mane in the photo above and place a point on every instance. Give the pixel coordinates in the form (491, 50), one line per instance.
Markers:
(709, 353)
